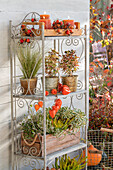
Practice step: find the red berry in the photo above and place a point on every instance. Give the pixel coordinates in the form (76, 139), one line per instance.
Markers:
(28, 40)
(67, 32)
(57, 21)
(28, 31)
(61, 22)
(21, 41)
(68, 24)
(59, 31)
(71, 31)
(54, 23)
(32, 19)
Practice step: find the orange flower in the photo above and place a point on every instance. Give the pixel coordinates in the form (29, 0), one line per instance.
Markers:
(54, 91)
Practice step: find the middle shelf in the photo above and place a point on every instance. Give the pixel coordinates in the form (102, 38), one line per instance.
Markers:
(39, 96)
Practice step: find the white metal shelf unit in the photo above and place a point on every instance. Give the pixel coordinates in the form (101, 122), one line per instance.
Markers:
(14, 96)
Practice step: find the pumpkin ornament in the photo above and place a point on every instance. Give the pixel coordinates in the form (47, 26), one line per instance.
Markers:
(94, 155)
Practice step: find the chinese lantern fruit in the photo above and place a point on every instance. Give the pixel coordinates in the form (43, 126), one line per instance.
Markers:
(46, 93)
(40, 104)
(65, 90)
(37, 107)
(52, 113)
(54, 91)
(58, 102)
(56, 108)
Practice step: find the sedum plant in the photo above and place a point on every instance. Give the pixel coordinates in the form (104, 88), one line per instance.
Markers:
(66, 120)
(51, 63)
(69, 62)
(30, 61)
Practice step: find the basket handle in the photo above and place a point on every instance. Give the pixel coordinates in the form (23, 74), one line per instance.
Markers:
(106, 130)
(27, 143)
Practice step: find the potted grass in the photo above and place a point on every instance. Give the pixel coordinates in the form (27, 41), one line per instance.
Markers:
(51, 70)
(30, 61)
(62, 131)
(69, 65)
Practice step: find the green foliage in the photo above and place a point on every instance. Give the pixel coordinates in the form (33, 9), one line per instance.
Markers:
(66, 163)
(30, 62)
(66, 120)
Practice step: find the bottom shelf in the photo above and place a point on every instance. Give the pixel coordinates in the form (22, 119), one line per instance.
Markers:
(66, 151)
(58, 153)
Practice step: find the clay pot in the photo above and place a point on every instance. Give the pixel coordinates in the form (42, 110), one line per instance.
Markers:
(28, 85)
(71, 82)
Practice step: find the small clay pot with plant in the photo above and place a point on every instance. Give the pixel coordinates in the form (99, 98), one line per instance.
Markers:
(30, 61)
(69, 65)
(51, 70)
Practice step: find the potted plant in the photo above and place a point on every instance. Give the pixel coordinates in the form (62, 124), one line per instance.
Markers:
(30, 61)
(51, 70)
(62, 131)
(69, 65)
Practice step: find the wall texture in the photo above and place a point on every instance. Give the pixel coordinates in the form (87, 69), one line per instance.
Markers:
(16, 10)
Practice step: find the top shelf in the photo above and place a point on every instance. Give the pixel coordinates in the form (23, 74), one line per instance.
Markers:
(37, 32)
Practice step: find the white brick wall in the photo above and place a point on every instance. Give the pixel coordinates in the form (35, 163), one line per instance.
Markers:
(15, 10)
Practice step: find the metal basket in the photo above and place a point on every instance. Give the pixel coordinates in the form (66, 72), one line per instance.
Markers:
(102, 141)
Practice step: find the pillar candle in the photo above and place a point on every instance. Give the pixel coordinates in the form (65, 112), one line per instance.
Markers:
(47, 23)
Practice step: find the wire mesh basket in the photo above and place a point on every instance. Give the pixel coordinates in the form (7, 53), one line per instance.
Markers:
(103, 141)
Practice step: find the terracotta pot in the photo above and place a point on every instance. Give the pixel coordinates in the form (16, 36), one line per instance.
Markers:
(71, 82)
(51, 83)
(28, 85)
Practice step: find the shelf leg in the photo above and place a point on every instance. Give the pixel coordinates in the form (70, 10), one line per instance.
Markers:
(11, 82)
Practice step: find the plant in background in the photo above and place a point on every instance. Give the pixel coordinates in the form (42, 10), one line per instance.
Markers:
(66, 120)
(30, 61)
(66, 163)
(101, 96)
(99, 23)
